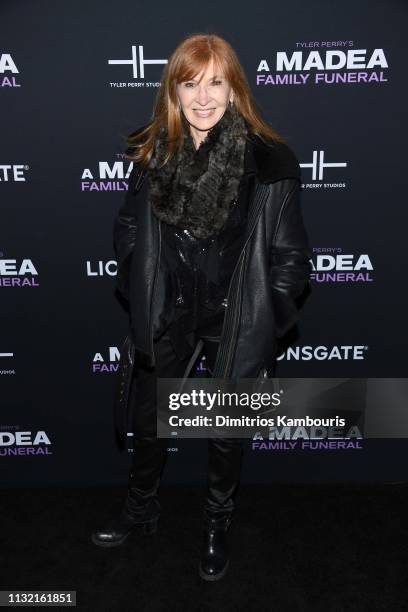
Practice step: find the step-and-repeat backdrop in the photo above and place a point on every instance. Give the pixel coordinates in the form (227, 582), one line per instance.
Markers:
(75, 79)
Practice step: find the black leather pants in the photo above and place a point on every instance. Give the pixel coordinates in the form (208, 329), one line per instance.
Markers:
(150, 452)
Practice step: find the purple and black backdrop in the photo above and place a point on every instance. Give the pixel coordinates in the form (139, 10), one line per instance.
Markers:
(75, 79)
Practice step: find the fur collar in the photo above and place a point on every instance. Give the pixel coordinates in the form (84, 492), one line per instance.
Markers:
(197, 189)
(270, 161)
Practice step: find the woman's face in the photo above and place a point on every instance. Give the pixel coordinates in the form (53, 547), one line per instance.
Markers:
(204, 103)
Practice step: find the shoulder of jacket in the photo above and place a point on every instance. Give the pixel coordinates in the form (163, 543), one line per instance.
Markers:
(275, 160)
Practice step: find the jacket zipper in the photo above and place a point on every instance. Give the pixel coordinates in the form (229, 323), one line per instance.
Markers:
(234, 324)
(153, 296)
(195, 298)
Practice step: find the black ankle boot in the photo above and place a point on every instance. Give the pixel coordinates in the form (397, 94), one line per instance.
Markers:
(118, 529)
(214, 553)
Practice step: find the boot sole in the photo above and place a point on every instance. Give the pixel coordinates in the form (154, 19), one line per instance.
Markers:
(108, 544)
(210, 578)
(148, 529)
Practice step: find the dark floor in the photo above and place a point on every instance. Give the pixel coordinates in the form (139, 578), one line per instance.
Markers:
(293, 547)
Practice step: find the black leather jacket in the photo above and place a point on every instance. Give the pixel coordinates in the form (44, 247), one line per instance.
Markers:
(271, 272)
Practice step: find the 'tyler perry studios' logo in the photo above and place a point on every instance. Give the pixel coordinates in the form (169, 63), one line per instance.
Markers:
(15, 273)
(137, 67)
(331, 265)
(24, 443)
(107, 176)
(317, 169)
(4, 360)
(8, 71)
(323, 63)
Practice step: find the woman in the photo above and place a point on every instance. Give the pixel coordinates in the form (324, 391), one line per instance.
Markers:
(212, 253)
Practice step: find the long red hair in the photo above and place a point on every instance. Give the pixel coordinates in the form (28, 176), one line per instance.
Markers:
(189, 58)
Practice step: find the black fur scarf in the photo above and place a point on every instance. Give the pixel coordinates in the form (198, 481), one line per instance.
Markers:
(196, 189)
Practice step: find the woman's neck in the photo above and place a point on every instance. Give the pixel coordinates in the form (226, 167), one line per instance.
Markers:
(198, 136)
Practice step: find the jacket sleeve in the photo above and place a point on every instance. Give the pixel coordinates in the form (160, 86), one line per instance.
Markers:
(290, 265)
(124, 232)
